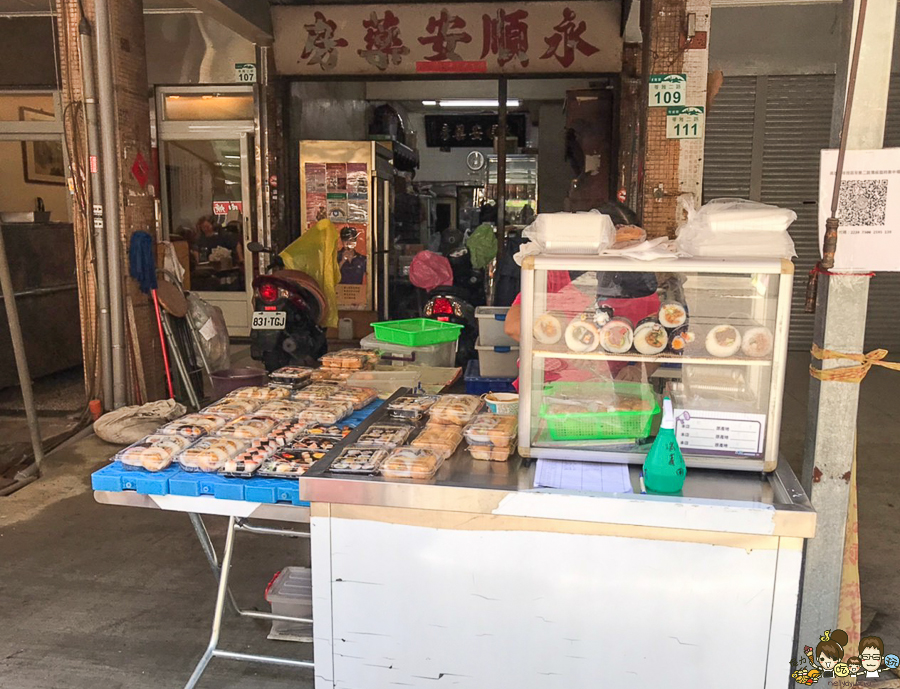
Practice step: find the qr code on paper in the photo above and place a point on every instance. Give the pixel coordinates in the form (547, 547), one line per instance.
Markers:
(863, 202)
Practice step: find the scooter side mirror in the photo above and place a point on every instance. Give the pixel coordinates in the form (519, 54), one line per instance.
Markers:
(258, 248)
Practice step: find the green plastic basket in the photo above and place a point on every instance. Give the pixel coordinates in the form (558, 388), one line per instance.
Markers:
(600, 425)
(416, 332)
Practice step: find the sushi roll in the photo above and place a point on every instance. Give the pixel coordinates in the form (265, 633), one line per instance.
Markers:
(723, 341)
(602, 314)
(757, 342)
(680, 338)
(672, 314)
(617, 336)
(547, 329)
(650, 337)
(582, 335)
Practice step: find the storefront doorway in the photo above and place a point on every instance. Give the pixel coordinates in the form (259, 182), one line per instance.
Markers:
(206, 155)
(560, 155)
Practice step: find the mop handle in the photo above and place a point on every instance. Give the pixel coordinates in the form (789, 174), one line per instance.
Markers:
(162, 341)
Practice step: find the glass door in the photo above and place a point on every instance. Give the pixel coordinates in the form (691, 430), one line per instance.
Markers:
(207, 202)
(208, 191)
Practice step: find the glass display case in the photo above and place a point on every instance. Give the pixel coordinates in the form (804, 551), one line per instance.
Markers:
(603, 339)
(521, 187)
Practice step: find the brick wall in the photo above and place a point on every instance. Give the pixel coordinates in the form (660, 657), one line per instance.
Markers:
(136, 205)
(672, 167)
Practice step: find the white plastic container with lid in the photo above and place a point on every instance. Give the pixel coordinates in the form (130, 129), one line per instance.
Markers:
(290, 594)
(491, 321)
(498, 361)
(443, 354)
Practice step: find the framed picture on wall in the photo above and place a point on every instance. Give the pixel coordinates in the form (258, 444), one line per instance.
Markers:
(42, 160)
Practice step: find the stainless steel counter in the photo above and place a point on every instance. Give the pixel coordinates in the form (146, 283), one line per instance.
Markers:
(766, 504)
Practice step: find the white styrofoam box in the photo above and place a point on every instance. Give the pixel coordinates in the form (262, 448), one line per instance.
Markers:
(491, 320)
(443, 354)
(291, 595)
(498, 361)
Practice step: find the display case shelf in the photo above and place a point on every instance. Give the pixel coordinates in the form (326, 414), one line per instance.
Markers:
(649, 359)
(727, 407)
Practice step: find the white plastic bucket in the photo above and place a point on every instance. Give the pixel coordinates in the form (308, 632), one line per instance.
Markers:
(503, 403)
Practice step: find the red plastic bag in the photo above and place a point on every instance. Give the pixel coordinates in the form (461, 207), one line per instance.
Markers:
(429, 270)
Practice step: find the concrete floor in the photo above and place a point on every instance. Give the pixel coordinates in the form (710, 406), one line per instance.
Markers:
(95, 595)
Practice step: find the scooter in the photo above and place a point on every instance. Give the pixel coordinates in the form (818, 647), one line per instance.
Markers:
(456, 303)
(288, 309)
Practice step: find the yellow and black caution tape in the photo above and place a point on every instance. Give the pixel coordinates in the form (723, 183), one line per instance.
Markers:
(849, 374)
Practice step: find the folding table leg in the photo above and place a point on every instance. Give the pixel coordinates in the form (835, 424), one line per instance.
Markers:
(220, 605)
(210, 551)
(223, 593)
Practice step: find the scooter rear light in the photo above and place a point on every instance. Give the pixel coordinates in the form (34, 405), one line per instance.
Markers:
(442, 307)
(267, 292)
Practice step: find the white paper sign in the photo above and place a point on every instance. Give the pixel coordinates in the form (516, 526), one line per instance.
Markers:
(868, 210)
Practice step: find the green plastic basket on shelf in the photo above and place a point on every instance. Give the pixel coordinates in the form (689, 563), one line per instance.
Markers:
(416, 332)
(599, 425)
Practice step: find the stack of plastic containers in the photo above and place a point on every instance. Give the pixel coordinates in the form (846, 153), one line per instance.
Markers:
(414, 342)
(492, 437)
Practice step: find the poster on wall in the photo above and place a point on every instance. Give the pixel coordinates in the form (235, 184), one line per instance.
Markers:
(335, 185)
(316, 196)
(471, 38)
(868, 209)
(353, 260)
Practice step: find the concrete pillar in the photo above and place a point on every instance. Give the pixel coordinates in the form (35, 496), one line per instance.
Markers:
(676, 36)
(840, 326)
(135, 202)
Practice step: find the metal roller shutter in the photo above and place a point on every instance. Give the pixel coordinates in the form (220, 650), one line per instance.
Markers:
(883, 317)
(729, 140)
(796, 125)
(797, 128)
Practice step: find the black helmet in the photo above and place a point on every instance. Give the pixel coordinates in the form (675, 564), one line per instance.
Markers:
(348, 233)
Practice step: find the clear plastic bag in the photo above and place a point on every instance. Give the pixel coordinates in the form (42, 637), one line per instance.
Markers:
(736, 228)
(212, 333)
(429, 270)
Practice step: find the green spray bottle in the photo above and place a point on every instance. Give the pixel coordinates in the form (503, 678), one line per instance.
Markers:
(664, 469)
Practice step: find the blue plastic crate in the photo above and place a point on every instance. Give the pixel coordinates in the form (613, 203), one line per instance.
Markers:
(193, 484)
(117, 478)
(479, 385)
(274, 490)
